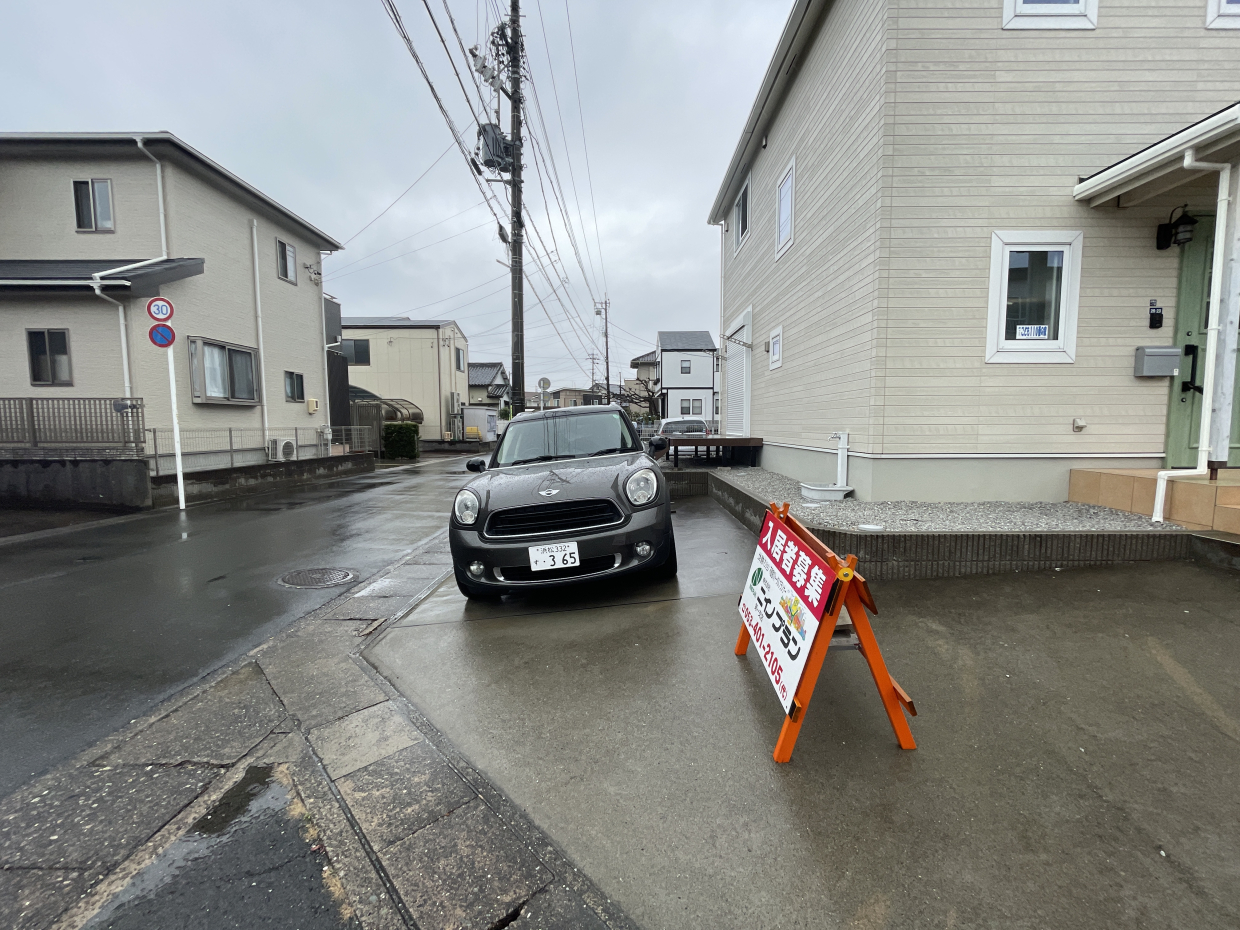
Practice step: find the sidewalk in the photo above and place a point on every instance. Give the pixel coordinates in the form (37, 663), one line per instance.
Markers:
(404, 832)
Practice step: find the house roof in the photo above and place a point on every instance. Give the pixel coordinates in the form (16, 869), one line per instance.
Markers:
(497, 390)
(391, 322)
(61, 275)
(781, 72)
(648, 359)
(1160, 167)
(481, 374)
(691, 340)
(162, 145)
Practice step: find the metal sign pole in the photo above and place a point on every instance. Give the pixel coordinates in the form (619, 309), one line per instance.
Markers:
(176, 428)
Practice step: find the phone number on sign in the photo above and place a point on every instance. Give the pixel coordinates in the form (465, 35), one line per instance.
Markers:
(765, 649)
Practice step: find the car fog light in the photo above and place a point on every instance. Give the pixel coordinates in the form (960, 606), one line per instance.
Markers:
(476, 569)
(642, 549)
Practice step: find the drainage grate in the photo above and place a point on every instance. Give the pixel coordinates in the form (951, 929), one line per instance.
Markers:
(317, 578)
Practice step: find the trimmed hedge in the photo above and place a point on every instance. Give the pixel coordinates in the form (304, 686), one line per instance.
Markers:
(400, 440)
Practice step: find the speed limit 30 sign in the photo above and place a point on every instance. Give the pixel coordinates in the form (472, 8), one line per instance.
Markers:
(159, 309)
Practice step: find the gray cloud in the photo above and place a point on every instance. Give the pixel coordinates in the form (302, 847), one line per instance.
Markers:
(320, 105)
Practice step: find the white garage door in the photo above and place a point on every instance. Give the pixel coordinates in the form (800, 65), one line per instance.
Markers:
(736, 358)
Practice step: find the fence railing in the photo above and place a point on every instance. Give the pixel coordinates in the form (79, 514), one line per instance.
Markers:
(233, 447)
(71, 426)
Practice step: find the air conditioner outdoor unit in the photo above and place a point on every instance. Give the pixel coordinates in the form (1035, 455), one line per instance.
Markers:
(454, 403)
(281, 450)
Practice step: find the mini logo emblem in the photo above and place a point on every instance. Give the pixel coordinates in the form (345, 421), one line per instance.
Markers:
(550, 492)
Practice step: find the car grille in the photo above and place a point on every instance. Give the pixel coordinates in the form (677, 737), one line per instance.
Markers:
(587, 567)
(560, 517)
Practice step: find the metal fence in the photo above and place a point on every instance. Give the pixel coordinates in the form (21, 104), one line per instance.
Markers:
(233, 447)
(71, 426)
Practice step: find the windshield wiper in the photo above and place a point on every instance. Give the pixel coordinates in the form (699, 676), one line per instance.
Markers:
(608, 451)
(540, 458)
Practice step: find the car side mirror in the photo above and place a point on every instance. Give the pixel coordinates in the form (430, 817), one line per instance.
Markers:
(657, 443)
(478, 463)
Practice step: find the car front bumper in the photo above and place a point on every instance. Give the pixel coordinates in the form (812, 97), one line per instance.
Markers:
(604, 553)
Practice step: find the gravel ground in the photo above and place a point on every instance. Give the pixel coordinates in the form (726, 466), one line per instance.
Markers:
(916, 516)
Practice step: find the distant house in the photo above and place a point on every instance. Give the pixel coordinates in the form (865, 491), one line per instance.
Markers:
(683, 370)
(488, 384)
(425, 362)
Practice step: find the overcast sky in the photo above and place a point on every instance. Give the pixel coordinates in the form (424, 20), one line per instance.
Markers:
(321, 106)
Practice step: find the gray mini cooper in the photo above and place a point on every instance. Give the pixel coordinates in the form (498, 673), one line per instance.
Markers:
(567, 496)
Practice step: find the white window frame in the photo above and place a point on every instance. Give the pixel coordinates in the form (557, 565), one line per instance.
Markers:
(1059, 351)
(776, 340)
(1031, 14)
(1222, 15)
(686, 404)
(789, 174)
(686, 366)
(740, 237)
(92, 186)
(290, 261)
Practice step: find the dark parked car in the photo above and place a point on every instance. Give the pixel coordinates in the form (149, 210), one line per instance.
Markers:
(567, 496)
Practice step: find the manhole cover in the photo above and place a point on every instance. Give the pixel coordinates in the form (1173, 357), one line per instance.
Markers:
(317, 578)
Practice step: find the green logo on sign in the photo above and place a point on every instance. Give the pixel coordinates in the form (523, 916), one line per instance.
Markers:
(755, 577)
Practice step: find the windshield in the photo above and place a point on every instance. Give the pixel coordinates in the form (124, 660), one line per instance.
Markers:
(561, 437)
(684, 426)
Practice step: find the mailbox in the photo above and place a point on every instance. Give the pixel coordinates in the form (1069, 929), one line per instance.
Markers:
(1157, 362)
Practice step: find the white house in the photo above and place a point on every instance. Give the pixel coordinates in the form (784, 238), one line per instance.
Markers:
(939, 233)
(684, 369)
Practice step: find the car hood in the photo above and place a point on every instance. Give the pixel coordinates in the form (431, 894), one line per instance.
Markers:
(571, 479)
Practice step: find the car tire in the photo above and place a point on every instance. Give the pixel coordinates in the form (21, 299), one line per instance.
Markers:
(471, 590)
(668, 568)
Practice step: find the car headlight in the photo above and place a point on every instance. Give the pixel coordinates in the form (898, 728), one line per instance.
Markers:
(466, 506)
(642, 487)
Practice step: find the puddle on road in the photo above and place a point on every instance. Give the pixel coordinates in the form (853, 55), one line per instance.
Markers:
(254, 859)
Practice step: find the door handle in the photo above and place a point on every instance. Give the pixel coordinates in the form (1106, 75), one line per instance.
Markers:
(1192, 349)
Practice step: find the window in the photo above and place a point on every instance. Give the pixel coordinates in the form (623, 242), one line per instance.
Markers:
(286, 261)
(294, 386)
(776, 348)
(685, 406)
(357, 351)
(1050, 14)
(740, 217)
(221, 373)
(697, 407)
(1035, 281)
(716, 406)
(686, 366)
(460, 359)
(49, 356)
(1223, 14)
(92, 202)
(783, 211)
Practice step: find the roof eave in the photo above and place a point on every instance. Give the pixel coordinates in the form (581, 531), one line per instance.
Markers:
(800, 25)
(1162, 159)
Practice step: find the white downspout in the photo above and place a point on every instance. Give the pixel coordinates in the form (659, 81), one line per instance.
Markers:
(258, 316)
(1216, 291)
(98, 276)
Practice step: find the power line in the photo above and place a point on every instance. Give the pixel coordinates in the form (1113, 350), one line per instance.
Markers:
(398, 199)
(458, 294)
(585, 148)
(336, 276)
(405, 239)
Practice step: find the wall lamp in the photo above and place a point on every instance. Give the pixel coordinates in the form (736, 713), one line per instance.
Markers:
(1175, 232)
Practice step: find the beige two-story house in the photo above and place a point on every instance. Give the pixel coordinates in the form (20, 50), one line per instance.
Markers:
(425, 362)
(940, 233)
(95, 225)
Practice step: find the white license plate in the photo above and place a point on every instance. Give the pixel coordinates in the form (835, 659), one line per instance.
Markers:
(557, 555)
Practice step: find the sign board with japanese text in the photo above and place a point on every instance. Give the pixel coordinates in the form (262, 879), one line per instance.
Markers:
(785, 594)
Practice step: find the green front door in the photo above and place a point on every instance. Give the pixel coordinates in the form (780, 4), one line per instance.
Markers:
(1192, 303)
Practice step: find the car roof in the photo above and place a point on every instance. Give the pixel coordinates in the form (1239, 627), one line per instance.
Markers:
(568, 412)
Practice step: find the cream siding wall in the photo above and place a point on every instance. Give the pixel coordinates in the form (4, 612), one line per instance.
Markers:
(403, 364)
(37, 218)
(992, 129)
(94, 346)
(825, 290)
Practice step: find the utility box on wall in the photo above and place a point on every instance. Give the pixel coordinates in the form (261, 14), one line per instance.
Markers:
(1157, 362)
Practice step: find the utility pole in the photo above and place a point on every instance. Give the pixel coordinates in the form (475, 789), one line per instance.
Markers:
(518, 226)
(602, 308)
(593, 380)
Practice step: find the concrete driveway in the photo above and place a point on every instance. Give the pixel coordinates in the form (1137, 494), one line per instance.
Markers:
(1079, 744)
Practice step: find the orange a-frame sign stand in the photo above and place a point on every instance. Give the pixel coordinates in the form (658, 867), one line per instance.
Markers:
(852, 592)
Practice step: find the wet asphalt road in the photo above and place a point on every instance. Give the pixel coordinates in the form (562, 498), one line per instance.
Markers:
(99, 624)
